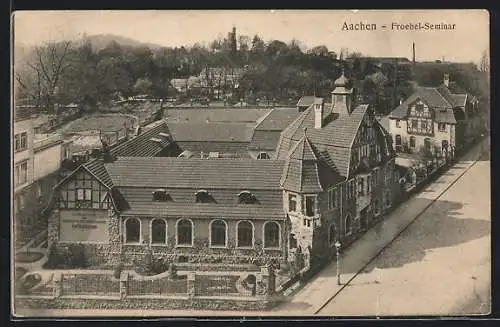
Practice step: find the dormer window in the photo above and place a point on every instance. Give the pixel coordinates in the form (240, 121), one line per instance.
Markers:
(246, 197)
(263, 155)
(202, 196)
(160, 195)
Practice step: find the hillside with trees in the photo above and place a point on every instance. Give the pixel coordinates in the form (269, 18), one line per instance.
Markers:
(96, 70)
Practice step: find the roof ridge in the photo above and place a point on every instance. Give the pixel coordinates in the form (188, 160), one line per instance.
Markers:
(441, 95)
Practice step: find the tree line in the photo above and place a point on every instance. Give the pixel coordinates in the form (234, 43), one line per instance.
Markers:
(76, 72)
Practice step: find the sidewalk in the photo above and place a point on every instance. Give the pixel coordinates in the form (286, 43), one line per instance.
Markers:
(324, 285)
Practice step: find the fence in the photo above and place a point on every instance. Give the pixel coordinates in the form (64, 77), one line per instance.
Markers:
(162, 286)
(89, 284)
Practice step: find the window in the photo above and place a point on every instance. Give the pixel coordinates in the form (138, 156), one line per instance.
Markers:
(202, 196)
(331, 235)
(414, 124)
(158, 231)
(292, 202)
(20, 202)
(218, 233)
(331, 198)
(427, 144)
(21, 141)
(412, 142)
(245, 234)
(419, 107)
(246, 197)
(348, 225)
(21, 173)
(160, 195)
(271, 235)
(310, 206)
(83, 198)
(361, 186)
(368, 184)
(292, 241)
(398, 123)
(398, 140)
(263, 155)
(185, 232)
(441, 127)
(132, 230)
(306, 222)
(423, 125)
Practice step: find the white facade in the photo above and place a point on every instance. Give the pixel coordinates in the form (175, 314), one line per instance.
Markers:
(47, 156)
(22, 146)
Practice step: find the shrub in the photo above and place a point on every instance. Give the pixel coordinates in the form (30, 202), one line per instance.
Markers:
(77, 256)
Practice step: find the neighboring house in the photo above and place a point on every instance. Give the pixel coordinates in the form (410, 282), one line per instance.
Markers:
(37, 160)
(328, 184)
(434, 121)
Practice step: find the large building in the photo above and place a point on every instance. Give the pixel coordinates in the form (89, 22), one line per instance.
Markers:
(37, 159)
(435, 121)
(330, 178)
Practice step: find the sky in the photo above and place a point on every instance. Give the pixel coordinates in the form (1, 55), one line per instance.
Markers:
(465, 43)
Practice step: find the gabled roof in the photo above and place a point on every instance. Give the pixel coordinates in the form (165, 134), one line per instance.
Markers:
(264, 140)
(142, 145)
(195, 173)
(277, 119)
(96, 168)
(306, 171)
(438, 98)
(335, 138)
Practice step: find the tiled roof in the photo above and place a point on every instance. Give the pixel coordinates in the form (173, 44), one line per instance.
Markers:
(195, 173)
(306, 171)
(306, 101)
(142, 145)
(214, 115)
(335, 137)
(264, 140)
(97, 169)
(235, 211)
(208, 132)
(440, 99)
(278, 119)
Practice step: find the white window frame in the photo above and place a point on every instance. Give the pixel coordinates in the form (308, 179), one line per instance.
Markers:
(296, 197)
(225, 234)
(442, 129)
(184, 245)
(264, 236)
(18, 173)
(125, 241)
(237, 235)
(398, 123)
(151, 232)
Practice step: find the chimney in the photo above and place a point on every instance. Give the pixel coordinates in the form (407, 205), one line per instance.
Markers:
(446, 80)
(413, 52)
(318, 113)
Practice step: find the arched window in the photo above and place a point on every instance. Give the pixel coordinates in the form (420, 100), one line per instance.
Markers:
(218, 233)
(331, 235)
(245, 234)
(271, 235)
(348, 225)
(246, 197)
(158, 231)
(184, 232)
(202, 196)
(132, 230)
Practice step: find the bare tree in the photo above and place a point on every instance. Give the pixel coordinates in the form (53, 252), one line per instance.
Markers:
(46, 66)
(484, 64)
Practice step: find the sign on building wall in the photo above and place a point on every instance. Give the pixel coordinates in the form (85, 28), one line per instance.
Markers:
(83, 226)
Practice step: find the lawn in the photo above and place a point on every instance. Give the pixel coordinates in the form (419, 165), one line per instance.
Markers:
(106, 123)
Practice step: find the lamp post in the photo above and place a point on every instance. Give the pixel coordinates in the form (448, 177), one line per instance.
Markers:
(337, 248)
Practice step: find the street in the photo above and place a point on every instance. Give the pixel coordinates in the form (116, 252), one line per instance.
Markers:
(440, 265)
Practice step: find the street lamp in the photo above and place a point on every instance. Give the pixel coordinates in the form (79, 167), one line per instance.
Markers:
(337, 248)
